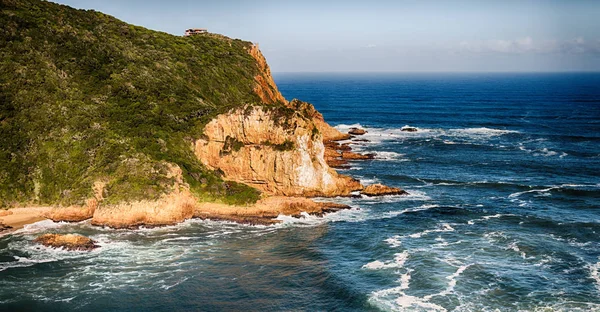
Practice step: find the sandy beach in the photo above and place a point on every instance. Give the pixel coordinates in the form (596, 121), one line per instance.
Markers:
(17, 218)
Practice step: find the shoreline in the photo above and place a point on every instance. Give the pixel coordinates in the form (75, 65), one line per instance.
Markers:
(21, 216)
(264, 212)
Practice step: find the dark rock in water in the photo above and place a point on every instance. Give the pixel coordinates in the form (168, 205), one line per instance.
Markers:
(4, 227)
(380, 190)
(409, 129)
(357, 131)
(67, 241)
(361, 140)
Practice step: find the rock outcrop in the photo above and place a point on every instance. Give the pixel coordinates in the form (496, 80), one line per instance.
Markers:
(4, 227)
(170, 209)
(409, 129)
(4, 213)
(276, 150)
(380, 189)
(355, 156)
(67, 241)
(73, 213)
(328, 133)
(357, 131)
(265, 87)
(266, 210)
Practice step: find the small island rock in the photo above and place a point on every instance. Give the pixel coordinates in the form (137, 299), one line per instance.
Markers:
(409, 129)
(380, 189)
(357, 131)
(67, 241)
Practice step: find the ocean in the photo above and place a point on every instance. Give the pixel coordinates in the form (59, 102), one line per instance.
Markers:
(503, 214)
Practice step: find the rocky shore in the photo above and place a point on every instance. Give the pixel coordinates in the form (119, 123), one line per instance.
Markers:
(284, 149)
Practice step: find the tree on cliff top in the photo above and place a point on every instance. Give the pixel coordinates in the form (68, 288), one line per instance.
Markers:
(86, 97)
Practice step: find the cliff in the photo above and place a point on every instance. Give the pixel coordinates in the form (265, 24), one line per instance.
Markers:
(110, 121)
(275, 152)
(87, 98)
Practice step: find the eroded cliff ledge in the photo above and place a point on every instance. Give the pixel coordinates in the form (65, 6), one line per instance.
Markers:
(277, 150)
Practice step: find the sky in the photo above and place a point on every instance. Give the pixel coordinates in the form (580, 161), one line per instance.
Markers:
(386, 35)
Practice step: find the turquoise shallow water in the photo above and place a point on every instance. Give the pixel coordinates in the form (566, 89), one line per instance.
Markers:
(503, 214)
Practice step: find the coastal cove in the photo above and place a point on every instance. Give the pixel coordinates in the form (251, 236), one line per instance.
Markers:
(502, 214)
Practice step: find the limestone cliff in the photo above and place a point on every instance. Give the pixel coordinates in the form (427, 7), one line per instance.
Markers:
(274, 149)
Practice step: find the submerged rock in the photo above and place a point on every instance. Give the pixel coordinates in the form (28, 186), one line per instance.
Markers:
(380, 189)
(67, 241)
(357, 131)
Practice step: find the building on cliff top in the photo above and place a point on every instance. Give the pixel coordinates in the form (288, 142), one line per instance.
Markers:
(195, 31)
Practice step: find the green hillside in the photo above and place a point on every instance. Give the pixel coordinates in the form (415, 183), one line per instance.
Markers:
(86, 97)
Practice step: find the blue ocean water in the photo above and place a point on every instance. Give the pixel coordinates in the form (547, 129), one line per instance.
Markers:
(503, 214)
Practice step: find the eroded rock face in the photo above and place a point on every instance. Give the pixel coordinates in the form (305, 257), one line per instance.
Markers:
(266, 210)
(328, 133)
(276, 153)
(67, 241)
(4, 227)
(380, 189)
(170, 209)
(4, 213)
(265, 87)
(74, 213)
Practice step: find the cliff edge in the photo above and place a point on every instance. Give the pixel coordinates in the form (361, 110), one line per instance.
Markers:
(128, 126)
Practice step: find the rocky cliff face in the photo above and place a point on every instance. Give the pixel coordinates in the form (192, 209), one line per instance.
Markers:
(274, 149)
(265, 87)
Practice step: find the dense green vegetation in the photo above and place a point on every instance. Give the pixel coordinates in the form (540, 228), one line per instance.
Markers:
(86, 97)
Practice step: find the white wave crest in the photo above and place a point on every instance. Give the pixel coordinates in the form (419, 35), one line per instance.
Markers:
(444, 227)
(594, 274)
(398, 262)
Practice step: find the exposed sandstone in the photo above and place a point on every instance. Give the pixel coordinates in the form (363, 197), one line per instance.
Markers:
(67, 241)
(168, 210)
(357, 131)
(380, 189)
(265, 87)
(356, 156)
(4, 213)
(73, 213)
(328, 133)
(276, 153)
(266, 210)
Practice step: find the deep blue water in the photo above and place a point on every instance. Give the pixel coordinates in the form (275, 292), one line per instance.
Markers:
(503, 214)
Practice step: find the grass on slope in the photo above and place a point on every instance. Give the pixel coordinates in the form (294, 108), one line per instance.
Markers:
(86, 97)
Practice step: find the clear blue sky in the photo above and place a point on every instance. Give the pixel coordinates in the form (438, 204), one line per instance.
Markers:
(401, 35)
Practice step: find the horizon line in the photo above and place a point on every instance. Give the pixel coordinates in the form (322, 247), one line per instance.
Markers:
(440, 72)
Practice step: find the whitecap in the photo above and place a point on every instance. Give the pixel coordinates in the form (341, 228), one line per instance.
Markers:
(389, 156)
(444, 227)
(394, 241)
(483, 131)
(594, 274)
(398, 262)
(517, 194)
